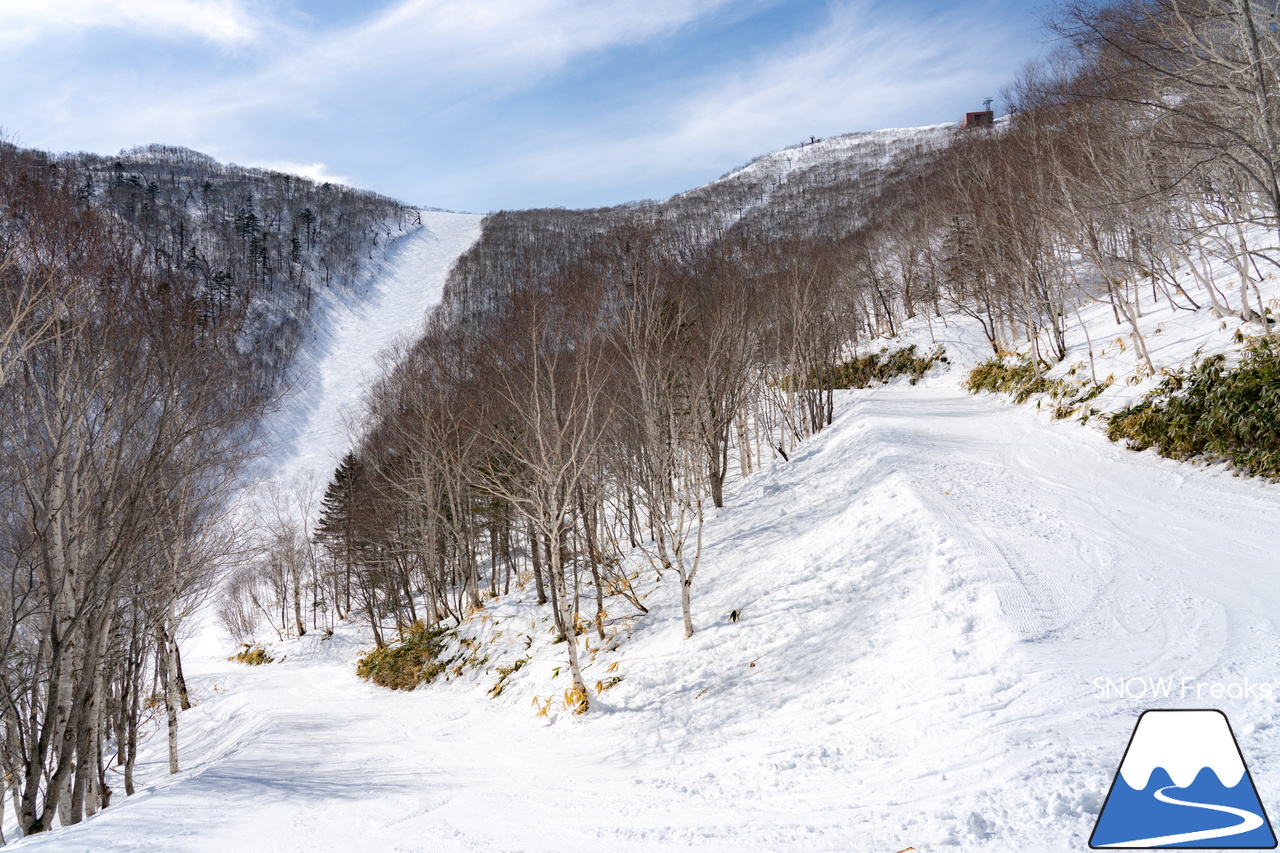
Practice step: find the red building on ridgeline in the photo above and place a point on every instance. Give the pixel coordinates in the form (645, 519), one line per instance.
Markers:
(982, 118)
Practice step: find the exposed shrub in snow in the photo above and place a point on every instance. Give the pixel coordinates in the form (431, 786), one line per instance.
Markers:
(1014, 375)
(574, 700)
(866, 370)
(1213, 410)
(251, 655)
(405, 665)
(505, 672)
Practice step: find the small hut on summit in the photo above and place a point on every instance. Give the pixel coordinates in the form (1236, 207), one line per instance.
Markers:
(982, 118)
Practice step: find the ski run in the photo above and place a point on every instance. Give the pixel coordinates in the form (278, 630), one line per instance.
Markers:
(951, 611)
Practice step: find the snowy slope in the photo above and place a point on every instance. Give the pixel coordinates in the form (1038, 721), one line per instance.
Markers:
(931, 591)
(312, 431)
(860, 150)
(822, 188)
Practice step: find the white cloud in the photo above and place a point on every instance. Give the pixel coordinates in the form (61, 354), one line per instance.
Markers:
(317, 172)
(476, 43)
(416, 58)
(222, 21)
(487, 33)
(865, 70)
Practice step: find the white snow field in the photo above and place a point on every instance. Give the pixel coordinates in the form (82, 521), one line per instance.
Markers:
(953, 610)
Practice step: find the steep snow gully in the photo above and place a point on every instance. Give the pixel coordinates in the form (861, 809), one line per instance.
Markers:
(312, 430)
(952, 611)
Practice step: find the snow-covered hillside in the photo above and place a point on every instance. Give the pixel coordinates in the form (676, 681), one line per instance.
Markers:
(951, 612)
(822, 188)
(934, 627)
(861, 151)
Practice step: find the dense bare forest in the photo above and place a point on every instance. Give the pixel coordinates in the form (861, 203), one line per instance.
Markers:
(149, 308)
(593, 378)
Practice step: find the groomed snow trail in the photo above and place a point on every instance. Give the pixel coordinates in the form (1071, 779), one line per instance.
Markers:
(928, 591)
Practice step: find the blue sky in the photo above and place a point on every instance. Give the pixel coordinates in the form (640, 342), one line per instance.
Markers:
(487, 104)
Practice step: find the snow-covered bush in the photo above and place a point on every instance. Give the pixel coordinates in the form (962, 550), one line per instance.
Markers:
(865, 370)
(251, 655)
(1014, 375)
(405, 665)
(1213, 410)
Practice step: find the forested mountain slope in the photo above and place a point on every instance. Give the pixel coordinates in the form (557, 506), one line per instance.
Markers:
(275, 240)
(151, 307)
(821, 190)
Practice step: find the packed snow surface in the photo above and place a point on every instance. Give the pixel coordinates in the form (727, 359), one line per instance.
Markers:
(940, 596)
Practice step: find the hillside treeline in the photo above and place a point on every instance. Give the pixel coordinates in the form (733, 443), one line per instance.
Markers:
(245, 237)
(593, 379)
(148, 308)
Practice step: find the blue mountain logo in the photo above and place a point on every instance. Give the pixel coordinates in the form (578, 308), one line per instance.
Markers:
(1183, 783)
